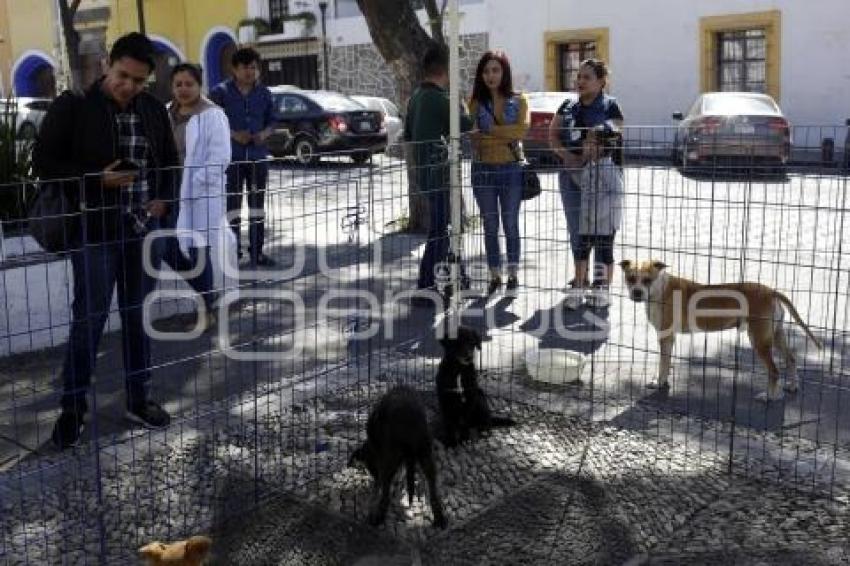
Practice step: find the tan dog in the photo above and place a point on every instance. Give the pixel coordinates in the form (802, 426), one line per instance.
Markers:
(675, 305)
(190, 552)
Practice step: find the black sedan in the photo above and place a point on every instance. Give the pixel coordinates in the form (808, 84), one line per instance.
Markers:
(312, 123)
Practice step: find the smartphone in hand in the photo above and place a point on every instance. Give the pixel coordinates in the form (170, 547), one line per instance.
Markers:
(125, 165)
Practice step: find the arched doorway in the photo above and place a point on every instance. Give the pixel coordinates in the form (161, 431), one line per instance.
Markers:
(33, 75)
(167, 57)
(217, 50)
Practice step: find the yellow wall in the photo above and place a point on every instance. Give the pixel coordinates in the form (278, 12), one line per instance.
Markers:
(30, 27)
(5, 48)
(183, 22)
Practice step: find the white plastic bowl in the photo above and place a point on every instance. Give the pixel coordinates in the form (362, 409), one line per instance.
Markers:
(558, 367)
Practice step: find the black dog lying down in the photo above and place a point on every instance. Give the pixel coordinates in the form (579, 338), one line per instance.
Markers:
(466, 409)
(397, 433)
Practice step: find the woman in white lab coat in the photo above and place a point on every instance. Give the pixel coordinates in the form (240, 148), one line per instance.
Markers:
(204, 250)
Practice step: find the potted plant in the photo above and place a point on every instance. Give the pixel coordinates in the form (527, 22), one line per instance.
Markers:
(308, 19)
(249, 29)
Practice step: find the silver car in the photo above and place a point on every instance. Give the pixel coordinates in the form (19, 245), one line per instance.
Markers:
(392, 119)
(29, 113)
(730, 127)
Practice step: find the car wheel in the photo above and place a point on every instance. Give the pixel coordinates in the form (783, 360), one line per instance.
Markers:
(27, 131)
(360, 157)
(306, 152)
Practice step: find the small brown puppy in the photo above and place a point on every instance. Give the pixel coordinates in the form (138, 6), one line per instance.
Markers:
(675, 305)
(190, 552)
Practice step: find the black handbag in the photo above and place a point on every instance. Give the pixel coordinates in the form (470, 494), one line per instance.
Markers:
(54, 219)
(530, 181)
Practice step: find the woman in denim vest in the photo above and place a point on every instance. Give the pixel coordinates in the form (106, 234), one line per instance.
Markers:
(501, 121)
(583, 131)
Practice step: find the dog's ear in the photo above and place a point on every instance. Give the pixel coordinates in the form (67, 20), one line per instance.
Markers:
(659, 265)
(626, 264)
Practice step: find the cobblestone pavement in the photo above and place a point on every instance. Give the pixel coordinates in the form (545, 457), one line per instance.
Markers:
(275, 489)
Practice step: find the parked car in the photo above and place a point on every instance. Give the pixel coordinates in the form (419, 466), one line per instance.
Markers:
(312, 122)
(542, 106)
(392, 117)
(726, 126)
(29, 114)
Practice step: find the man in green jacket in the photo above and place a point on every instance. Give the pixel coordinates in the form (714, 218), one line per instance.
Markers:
(427, 128)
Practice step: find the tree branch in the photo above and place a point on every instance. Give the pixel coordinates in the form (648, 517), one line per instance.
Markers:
(72, 41)
(435, 19)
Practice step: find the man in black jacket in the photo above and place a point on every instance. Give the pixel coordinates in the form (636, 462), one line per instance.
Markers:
(113, 146)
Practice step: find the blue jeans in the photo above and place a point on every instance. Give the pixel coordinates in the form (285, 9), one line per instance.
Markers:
(571, 199)
(254, 177)
(437, 246)
(97, 269)
(498, 192)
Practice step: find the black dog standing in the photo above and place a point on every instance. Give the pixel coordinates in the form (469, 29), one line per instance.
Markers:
(466, 408)
(397, 433)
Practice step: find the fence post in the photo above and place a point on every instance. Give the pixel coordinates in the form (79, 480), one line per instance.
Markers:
(456, 233)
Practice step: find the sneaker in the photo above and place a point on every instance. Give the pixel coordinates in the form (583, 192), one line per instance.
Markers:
(512, 283)
(149, 415)
(68, 429)
(600, 295)
(495, 283)
(575, 295)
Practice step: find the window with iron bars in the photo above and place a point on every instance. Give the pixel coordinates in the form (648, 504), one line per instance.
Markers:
(278, 10)
(742, 61)
(570, 56)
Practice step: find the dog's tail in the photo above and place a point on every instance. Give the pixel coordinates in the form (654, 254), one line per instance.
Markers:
(790, 306)
(411, 483)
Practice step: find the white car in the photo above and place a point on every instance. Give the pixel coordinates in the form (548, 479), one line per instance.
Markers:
(392, 120)
(30, 113)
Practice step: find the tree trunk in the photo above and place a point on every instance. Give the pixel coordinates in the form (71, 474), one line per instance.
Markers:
(402, 42)
(72, 41)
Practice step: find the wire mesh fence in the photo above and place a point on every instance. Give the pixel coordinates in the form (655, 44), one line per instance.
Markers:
(274, 397)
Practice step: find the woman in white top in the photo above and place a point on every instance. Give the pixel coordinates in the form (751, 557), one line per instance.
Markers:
(202, 134)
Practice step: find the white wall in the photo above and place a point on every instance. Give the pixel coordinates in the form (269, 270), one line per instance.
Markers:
(654, 50)
(353, 30)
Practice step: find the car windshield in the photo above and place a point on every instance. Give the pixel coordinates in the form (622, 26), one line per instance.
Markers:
(370, 103)
(547, 101)
(330, 101)
(730, 105)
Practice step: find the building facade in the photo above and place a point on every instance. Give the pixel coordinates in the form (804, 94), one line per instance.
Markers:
(662, 53)
(32, 53)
